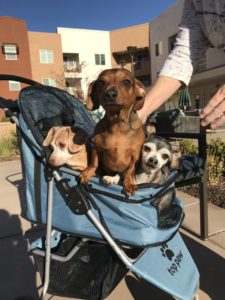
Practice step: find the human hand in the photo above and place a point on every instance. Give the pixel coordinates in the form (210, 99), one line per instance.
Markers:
(214, 112)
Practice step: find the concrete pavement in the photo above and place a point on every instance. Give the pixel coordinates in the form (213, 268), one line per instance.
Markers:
(19, 277)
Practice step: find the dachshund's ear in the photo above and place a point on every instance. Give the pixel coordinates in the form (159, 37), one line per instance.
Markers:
(92, 102)
(149, 129)
(140, 95)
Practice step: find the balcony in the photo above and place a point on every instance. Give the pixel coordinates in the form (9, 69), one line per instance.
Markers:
(138, 58)
(71, 64)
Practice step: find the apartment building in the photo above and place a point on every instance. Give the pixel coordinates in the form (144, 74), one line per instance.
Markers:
(14, 54)
(85, 54)
(46, 58)
(130, 49)
(209, 74)
(71, 58)
(33, 55)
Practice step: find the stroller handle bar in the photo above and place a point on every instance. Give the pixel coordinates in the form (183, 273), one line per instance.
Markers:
(19, 79)
(10, 105)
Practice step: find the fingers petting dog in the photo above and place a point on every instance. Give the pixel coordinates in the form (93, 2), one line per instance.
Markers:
(119, 136)
(68, 146)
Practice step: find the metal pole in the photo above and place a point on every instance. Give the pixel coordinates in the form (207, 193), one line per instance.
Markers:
(48, 239)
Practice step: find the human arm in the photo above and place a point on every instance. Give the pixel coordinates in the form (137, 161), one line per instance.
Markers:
(190, 46)
(160, 91)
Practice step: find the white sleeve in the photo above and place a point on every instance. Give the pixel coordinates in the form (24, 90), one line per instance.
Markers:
(190, 46)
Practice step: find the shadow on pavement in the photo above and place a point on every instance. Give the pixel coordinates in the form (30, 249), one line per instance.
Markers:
(211, 267)
(17, 272)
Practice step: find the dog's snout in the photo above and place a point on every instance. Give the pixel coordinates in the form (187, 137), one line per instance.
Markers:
(111, 94)
(153, 161)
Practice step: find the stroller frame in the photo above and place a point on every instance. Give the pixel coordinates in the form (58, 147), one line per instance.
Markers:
(81, 204)
(48, 256)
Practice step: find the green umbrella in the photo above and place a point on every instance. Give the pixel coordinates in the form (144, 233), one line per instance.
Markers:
(184, 99)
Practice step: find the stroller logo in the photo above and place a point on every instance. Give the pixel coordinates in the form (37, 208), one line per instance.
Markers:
(176, 261)
(166, 252)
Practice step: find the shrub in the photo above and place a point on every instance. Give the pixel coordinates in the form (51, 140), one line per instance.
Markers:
(216, 160)
(187, 147)
(4, 119)
(217, 149)
(9, 146)
(215, 155)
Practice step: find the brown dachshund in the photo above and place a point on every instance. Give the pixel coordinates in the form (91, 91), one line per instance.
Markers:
(119, 136)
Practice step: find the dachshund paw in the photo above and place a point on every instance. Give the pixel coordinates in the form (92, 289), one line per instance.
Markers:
(85, 176)
(111, 179)
(129, 188)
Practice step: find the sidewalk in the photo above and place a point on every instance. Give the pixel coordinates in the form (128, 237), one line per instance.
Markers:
(18, 276)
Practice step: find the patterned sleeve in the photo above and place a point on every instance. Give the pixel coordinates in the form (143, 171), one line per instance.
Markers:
(190, 46)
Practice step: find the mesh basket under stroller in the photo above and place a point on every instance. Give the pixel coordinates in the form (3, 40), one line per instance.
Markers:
(94, 233)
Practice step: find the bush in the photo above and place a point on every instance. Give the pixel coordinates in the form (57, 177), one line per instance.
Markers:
(215, 155)
(187, 147)
(216, 160)
(217, 148)
(9, 146)
(5, 119)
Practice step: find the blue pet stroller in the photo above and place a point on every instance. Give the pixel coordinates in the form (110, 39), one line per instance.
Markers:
(94, 233)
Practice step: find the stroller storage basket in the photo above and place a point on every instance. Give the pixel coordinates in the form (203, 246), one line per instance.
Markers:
(91, 273)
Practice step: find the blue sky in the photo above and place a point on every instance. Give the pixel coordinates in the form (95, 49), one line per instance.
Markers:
(46, 15)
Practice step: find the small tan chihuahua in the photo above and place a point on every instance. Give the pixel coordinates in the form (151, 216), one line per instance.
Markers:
(69, 147)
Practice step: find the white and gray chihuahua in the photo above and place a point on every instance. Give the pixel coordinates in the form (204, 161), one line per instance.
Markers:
(156, 158)
(156, 154)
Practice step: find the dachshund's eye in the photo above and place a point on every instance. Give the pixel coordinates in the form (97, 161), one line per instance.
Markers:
(101, 83)
(165, 156)
(127, 82)
(147, 149)
(62, 145)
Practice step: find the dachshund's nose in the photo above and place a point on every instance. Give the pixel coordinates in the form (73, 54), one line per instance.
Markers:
(111, 94)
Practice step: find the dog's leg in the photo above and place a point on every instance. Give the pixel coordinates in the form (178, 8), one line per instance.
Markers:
(111, 179)
(129, 177)
(90, 171)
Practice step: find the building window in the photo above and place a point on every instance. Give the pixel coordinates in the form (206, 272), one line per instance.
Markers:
(10, 51)
(46, 56)
(100, 59)
(49, 81)
(14, 86)
(171, 42)
(159, 49)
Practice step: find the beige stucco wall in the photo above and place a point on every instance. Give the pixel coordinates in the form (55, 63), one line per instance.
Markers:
(161, 28)
(131, 36)
(46, 41)
(86, 43)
